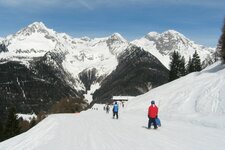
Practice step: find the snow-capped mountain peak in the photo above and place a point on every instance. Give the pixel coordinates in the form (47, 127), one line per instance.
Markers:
(38, 25)
(35, 40)
(85, 38)
(170, 36)
(163, 44)
(118, 37)
(177, 37)
(1, 39)
(151, 35)
(35, 27)
(117, 44)
(76, 54)
(98, 53)
(171, 31)
(79, 54)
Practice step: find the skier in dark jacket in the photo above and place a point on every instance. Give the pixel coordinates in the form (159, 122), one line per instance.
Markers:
(152, 115)
(107, 109)
(115, 110)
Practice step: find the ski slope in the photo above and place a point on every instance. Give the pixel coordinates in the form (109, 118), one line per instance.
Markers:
(95, 130)
(191, 109)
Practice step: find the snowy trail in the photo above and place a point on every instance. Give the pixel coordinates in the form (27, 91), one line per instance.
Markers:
(96, 130)
(192, 111)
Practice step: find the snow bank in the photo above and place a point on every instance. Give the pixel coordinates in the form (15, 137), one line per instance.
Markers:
(197, 97)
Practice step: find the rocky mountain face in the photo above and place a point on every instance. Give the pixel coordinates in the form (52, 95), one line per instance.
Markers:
(32, 90)
(3, 48)
(138, 71)
(164, 44)
(40, 66)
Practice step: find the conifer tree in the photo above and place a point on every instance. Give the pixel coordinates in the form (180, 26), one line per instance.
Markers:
(221, 44)
(1, 131)
(177, 66)
(12, 124)
(182, 67)
(189, 66)
(174, 66)
(196, 62)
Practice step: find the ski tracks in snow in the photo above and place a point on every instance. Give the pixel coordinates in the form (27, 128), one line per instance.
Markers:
(96, 130)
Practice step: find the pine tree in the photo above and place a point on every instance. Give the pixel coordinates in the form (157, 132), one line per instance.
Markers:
(182, 67)
(189, 66)
(221, 43)
(1, 131)
(196, 62)
(12, 124)
(177, 66)
(174, 66)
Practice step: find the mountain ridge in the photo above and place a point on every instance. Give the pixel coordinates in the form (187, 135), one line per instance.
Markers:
(86, 64)
(79, 54)
(162, 45)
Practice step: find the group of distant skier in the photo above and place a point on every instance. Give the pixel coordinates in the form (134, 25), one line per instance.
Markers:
(115, 110)
(152, 113)
(107, 108)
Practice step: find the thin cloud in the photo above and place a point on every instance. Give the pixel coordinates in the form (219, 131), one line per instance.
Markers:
(205, 3)
(91, 4)
(25, 3)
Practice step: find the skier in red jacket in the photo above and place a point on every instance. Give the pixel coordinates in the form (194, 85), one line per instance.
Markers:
(152, 115)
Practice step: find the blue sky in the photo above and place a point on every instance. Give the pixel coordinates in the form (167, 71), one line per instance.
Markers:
(199, 20)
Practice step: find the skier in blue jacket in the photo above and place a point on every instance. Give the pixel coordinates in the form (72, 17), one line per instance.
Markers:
(115, 110)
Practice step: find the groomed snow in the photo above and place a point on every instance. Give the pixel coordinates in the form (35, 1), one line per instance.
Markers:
(191, 111)
(96, 130)
(196, 98)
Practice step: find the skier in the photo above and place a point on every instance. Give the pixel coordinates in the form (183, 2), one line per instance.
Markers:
(107, 109)
(122, 104)
(152, 115)
(115, 110)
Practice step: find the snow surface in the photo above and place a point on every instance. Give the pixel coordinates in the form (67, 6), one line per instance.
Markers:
(96, 53)
(197, 98)
(1, 39)
(93, 88)
(191, 109)
(27, 117)
(122, 97)
(95, 130)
